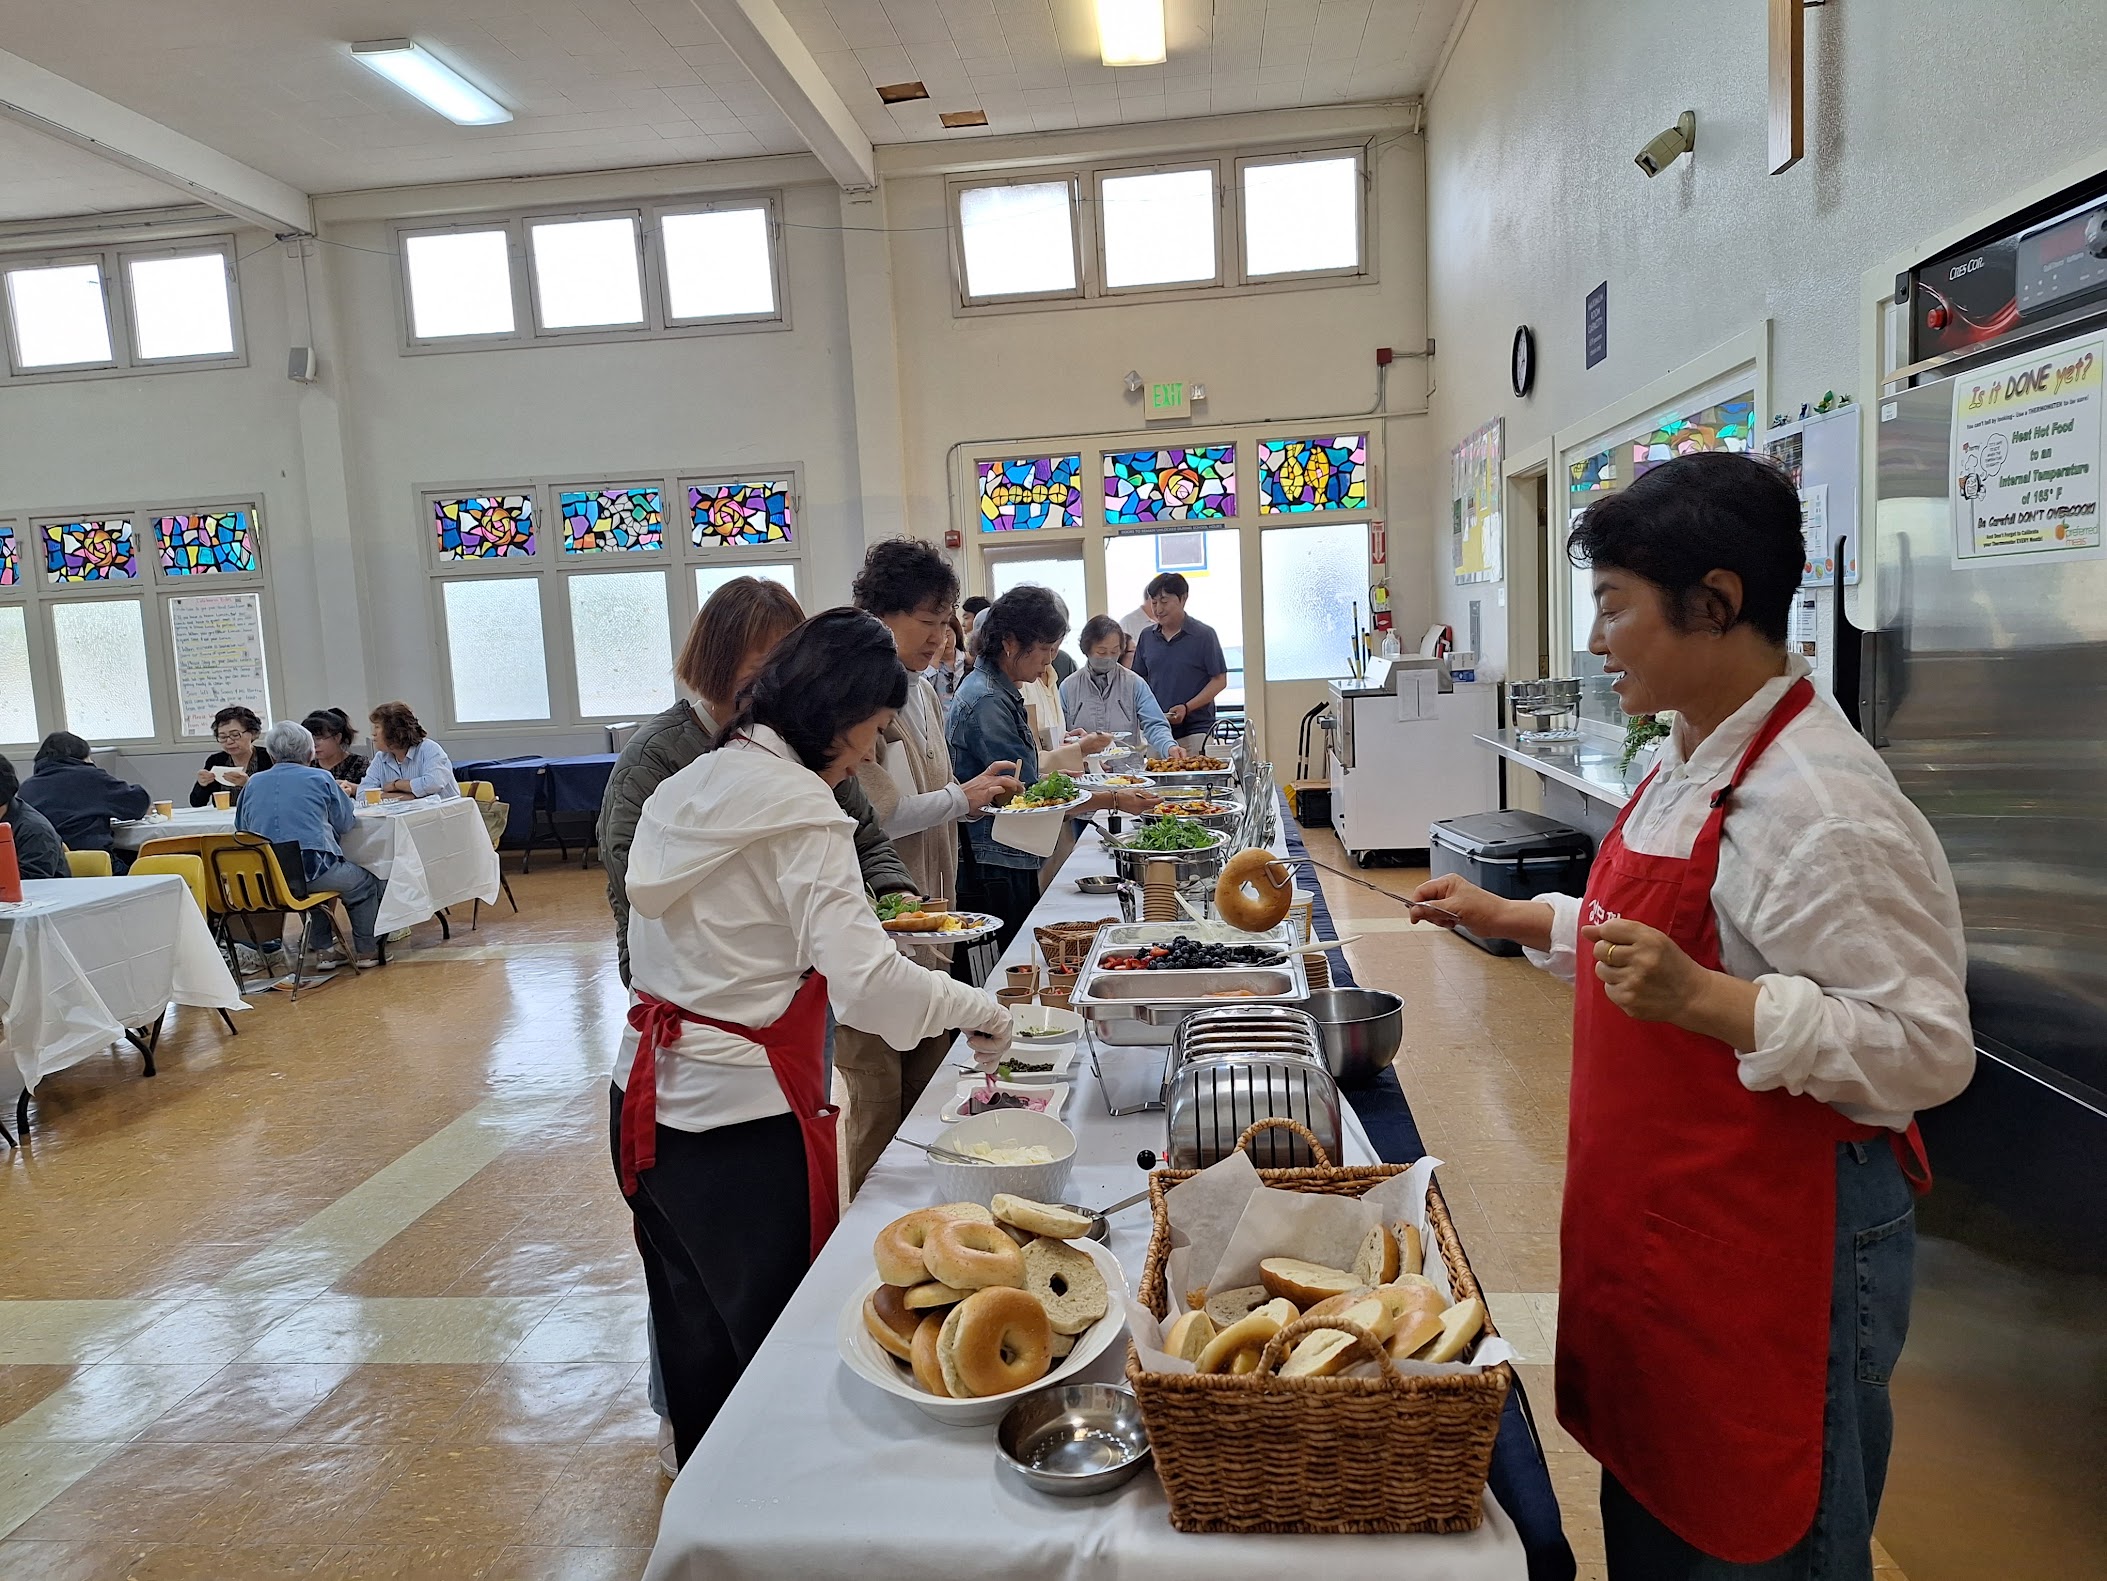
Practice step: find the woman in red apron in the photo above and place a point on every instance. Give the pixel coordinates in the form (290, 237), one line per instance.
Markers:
(748, 914)
(1769, 982)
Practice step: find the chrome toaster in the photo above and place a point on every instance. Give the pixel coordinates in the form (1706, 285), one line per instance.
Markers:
(1234, 1064)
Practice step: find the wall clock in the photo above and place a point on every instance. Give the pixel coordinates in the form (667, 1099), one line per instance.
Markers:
(1522, 365)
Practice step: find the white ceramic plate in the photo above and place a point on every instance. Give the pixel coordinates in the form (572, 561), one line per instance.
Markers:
(867, 1360)
(1061, 1056)
(1052, 1091)
(981, 926)
(1069, 805)
(1116, 781)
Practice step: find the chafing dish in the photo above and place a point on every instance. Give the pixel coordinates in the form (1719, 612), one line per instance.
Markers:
(1200, 865)
(1128, 1008)
(1228, 821)
(1171, 781)
(1232, 1065)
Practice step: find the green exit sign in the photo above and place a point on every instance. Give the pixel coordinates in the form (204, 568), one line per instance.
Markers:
(1169, 398)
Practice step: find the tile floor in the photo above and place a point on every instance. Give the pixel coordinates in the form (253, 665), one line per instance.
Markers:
(352, 1295)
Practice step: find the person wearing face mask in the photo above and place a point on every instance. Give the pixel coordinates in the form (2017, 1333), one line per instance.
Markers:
(1104, 697)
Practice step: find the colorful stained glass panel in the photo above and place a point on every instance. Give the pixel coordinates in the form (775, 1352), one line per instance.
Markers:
(1194, 484)
(91, 551)
(740, 513)
(1323, 474)
(202, 543)
(484, 526)
(1031, 492)
(10, 566)
(598, 519)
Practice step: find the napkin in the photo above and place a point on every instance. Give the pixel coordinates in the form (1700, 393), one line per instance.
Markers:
(1035, 832)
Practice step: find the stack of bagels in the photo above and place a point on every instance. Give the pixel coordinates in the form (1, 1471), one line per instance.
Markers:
(980, 1301)
(1383, 1294)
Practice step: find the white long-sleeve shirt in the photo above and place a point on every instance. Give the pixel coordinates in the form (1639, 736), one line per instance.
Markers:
(741, 875)
(1833, 897)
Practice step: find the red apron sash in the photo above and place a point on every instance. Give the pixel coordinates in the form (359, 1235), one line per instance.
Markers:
(795, 1045)
(1697, 1237)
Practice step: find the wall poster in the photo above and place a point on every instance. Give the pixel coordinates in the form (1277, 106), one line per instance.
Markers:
(2026, 457)
(219, 656)
(1474, 505)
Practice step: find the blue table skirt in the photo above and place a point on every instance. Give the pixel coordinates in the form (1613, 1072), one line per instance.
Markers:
(579, 784)
(518, 784)
(1520, 1480)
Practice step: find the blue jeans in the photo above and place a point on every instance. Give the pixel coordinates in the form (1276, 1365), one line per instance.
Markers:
(361, 892)
(1876, 1245)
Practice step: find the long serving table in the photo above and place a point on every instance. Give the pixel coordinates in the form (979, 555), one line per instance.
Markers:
(87, 961)
(810, 1472)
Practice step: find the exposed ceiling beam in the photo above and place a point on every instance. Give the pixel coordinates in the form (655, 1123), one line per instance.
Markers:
(757, 32)
(63, 109)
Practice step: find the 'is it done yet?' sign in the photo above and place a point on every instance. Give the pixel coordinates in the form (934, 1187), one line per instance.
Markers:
(2026, 457)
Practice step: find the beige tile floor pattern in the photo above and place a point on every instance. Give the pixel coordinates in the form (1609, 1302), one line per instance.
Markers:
(352, 1295)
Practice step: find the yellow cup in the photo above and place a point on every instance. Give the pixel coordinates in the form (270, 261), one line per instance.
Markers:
(372, 798)
(223, 800)
(164, 809)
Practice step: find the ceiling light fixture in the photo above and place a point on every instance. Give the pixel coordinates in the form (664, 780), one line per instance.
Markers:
(901, 92)
(1130, 32)
(425, 77)
(955, 119)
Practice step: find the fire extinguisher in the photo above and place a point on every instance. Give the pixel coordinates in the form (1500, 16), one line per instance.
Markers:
(1379, 605)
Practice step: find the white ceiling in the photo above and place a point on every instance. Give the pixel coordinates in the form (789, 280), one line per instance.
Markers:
(603, 84)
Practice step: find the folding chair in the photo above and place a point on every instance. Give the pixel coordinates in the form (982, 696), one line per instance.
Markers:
(208, 894)
(250, 880)
(495, 816)
(88, 864)
(191, 870)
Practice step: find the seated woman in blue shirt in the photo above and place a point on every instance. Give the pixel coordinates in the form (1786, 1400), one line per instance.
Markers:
(407, 763)
(989, 724)
(293, 800)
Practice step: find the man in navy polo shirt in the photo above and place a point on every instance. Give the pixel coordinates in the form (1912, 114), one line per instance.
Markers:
(1181, 659)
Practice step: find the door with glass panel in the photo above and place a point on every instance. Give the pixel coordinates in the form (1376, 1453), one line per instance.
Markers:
(1055, 566)
(1212, 563)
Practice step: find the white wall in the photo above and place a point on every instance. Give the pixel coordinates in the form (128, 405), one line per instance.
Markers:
(1917, 118)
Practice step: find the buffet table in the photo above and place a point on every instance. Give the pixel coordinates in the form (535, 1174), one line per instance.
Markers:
(431, 854)
(811, 1472)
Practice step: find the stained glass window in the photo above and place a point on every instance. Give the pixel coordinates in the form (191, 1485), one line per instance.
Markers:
(201, 543)
(10, 566)
(91, 551)
(1196, 484)
(1323, 474)
(1031, 492)
(597, 519)
(484, 526)
(740, 513)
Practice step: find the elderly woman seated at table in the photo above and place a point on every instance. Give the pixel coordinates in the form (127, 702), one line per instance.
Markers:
(331, 728)
(38, 853)
(235, 728)
(293, 800)
(79, 798)
(408, 763)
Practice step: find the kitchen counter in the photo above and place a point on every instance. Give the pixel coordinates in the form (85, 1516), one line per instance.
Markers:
(1582, 783)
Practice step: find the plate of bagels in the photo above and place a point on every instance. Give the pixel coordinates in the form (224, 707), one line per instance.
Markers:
(970, 1307)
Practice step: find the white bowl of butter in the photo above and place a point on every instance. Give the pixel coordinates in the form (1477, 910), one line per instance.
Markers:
(1027, 1154)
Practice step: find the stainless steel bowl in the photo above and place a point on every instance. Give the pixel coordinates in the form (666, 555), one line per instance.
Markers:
(1098, 884)
(1360, 1028)
(1075, 1439)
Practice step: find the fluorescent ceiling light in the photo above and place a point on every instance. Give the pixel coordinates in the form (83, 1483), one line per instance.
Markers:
(1130, 32)
(422, 75)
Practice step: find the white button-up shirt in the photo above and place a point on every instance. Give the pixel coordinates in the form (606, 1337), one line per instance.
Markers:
(1833, 897)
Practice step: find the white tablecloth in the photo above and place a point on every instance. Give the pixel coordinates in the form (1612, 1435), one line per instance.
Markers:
(81, 959)
(810, 1472)
(130, 834)
(432, 854)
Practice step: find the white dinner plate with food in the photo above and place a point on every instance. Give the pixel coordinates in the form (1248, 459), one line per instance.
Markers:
(1052, 1092)
(1115, 781)
(959, 927)
(867, 1360)
(1069, 805)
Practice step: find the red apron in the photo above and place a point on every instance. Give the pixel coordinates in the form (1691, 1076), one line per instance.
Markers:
(795, 1042)
(1698, 1236)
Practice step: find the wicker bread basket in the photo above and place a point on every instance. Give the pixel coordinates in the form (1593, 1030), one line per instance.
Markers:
(1066, 945)
(1259, 1453)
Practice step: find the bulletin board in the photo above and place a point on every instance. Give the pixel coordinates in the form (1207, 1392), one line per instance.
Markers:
(1820, 455)
(1474, 520)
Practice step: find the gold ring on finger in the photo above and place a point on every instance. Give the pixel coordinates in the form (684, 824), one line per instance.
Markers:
(1610, 956)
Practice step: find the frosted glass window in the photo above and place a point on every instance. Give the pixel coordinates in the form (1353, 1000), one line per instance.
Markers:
(1159, 228)
(1213, 569)
(718, 265)
(1018, 240)
(100, 644)
(1313, 576)
(18, 703)
(621, 643)
(586, 273)
(180, 306)
(460, 283)
(493, 646)
(59, 316)
(218, 640)
(1302, 216)
(1062, 573)
(709, 578)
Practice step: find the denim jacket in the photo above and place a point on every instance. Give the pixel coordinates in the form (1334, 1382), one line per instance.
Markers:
(988, 724)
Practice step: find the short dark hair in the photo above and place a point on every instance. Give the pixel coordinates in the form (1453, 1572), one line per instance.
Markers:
(1714, 511)
(62, 746)
(829, 675)
(902, 575)
(745, 614)
(10, 781)
(395, 727)
(1097, 628)
(974, 606)
(330, 722)
(236, 714)
(1028, 615)
(1171, 582)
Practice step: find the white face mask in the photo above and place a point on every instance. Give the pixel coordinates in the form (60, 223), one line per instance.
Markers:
(1103, 664)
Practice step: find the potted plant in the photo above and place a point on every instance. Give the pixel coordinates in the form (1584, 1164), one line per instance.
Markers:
(1642, 733)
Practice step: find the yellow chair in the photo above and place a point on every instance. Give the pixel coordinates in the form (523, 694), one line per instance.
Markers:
(250, 881)
(201, 846)
(191, 870)
(495, 815)
(88, 864)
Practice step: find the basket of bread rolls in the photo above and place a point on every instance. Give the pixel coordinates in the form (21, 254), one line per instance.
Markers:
(1375, 1381)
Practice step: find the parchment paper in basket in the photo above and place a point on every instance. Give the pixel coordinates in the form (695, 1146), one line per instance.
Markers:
(1203, 1213)
(1035, 832)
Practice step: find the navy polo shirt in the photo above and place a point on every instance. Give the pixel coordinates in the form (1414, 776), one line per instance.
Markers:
(1176, 669)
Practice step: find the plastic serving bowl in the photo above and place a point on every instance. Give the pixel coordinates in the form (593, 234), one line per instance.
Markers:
(1006, 1128)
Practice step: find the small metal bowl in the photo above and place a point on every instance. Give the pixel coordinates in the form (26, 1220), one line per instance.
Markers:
(1076, 1439)
(1099, 884)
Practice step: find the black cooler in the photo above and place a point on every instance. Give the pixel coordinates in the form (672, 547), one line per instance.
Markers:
(1516, 855)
